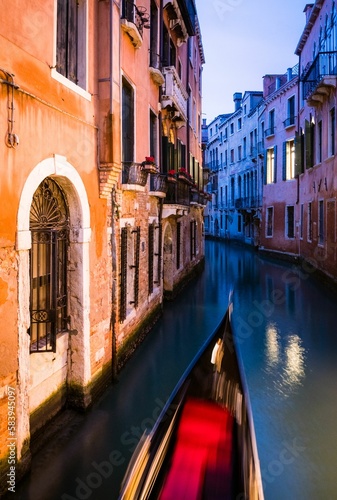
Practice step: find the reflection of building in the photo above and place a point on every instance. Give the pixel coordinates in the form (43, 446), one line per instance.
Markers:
(97, 105)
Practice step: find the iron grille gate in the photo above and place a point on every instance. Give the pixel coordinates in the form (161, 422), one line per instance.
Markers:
(49, 224)
(151, 257)
(193, 238)
(124, 261)
(159, 251)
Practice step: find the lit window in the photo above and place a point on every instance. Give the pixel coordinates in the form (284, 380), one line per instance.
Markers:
(290, 159)
(270, 172)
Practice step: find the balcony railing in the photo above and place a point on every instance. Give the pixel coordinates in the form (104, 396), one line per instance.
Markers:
(289, 122)
(134, 19)
(174, 93)
(134, 174)
(178, 194)
(324, 65)
(270, 132)
(246, 202)
(158, 184)
(155, 68)
(260, 148)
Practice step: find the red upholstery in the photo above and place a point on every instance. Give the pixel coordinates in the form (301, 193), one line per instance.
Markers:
(202, 459)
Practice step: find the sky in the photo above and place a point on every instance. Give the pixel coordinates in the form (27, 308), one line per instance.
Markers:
(243, 40)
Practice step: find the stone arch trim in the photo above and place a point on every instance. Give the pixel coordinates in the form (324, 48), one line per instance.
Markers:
(69, 179)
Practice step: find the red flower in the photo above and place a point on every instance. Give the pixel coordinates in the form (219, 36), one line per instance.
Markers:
(149, 159)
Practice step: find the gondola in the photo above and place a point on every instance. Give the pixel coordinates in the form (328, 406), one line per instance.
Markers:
(203, 444)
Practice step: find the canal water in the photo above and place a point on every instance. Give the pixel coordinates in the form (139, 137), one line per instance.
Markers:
(285, 325)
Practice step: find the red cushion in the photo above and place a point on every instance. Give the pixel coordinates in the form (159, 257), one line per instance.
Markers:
(202, 458)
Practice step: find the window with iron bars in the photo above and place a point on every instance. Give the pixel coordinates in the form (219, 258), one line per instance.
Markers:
(129, 266)
(49, 225)
(193, 238)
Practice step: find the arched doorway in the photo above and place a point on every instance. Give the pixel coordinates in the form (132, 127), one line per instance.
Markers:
(49, 226)
(52, 242)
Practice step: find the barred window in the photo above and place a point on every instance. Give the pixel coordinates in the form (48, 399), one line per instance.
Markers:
(49, 225)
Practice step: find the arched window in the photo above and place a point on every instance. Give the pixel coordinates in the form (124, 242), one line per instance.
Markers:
(49, 225)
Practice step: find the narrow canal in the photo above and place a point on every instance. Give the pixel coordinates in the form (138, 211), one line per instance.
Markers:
(285, 323)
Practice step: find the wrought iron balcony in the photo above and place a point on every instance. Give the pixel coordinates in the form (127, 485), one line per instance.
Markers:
(178, 194)
(270, 132)
(134, 19)
(246, 202)
(134, 174)
(158, 185)
(155, 68)
(320, 75)
(198, 198)
(289, 122)
(174, 94)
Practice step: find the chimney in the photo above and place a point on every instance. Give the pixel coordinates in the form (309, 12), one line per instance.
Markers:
(307, 11)
(237, 98)
(277, 83)
(289, 74)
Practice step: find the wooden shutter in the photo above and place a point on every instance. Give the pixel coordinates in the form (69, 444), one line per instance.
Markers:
(298, 153)
(127, 122)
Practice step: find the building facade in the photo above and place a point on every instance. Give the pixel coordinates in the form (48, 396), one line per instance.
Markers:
(295, 156)
(278, 126)
(99, 101)
(236, 171)
(316, 151)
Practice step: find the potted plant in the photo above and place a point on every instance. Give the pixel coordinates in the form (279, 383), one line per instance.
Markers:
(171, 176)
(184, 175)
(149, 165)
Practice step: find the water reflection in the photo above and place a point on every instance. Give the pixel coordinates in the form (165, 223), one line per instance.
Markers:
(285, 323)
(294, 366)
(272, 346)
(287, 366)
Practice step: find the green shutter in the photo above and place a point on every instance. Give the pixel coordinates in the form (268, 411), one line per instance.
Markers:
(265, 167)
(308, 142)
(284, 161)
(298, 153)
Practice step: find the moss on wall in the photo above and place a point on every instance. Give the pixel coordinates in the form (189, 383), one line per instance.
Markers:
(137, 336)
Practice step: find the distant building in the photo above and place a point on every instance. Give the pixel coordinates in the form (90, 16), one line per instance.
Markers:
(235, 172)
(278, 125)
(292, 172)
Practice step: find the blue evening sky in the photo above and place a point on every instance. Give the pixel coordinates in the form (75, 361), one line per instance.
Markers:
(244, 40)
